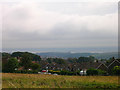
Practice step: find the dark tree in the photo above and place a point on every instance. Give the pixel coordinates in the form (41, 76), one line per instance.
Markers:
(59, 60)
(34, 57)
(35, 66)
(72, 60)
(11, 65)
(49, 60)
(26, 61)
(5, 55)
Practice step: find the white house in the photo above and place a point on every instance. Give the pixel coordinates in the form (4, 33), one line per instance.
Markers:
(83, 72)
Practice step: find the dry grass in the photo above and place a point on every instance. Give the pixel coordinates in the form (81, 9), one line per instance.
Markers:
(12, 80)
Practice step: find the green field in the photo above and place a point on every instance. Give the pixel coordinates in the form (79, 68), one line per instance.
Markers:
(12, 80)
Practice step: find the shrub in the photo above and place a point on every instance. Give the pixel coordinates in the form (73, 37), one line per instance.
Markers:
(92, 72)
(101, 72)
(116, 70)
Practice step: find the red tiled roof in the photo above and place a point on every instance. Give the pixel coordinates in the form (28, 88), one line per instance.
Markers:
(35, 62)
(21, 68)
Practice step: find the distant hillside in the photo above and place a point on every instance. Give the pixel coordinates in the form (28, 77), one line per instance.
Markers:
(20, 54)
(71, 55)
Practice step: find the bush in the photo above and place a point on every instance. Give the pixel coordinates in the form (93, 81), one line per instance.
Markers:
(116, 70)
(101, 72)
(51, 71)
(64, 72)
(92, 72)
(27, 72)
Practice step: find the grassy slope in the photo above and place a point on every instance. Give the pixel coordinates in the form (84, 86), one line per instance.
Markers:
(10, 80)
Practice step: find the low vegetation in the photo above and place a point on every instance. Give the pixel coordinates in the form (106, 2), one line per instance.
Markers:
(15, 80)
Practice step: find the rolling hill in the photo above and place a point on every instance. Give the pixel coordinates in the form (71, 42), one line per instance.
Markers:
(72, 55)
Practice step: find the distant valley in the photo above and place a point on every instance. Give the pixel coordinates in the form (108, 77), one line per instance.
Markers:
(76, 55)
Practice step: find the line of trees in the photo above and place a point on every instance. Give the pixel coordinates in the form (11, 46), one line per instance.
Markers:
(13, 64)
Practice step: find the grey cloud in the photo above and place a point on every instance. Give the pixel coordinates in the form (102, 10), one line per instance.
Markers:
(63, 38)
(81, 8)
(38, 27)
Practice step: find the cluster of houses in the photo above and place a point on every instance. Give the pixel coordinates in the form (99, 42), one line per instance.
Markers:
(109, 66)
(82, 67)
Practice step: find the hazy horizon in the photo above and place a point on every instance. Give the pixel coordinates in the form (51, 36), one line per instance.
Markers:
(72, 50)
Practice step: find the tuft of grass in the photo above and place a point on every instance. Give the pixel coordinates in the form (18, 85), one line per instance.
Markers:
(13, 80)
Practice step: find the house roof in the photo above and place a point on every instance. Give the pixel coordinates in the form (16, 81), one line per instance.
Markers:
(113, 63)
(21, 68)
(101, 65)
(35, 61)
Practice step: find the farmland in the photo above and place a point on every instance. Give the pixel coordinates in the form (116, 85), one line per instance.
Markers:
(15, 80)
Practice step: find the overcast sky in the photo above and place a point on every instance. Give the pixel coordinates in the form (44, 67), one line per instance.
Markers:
(59, 24)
